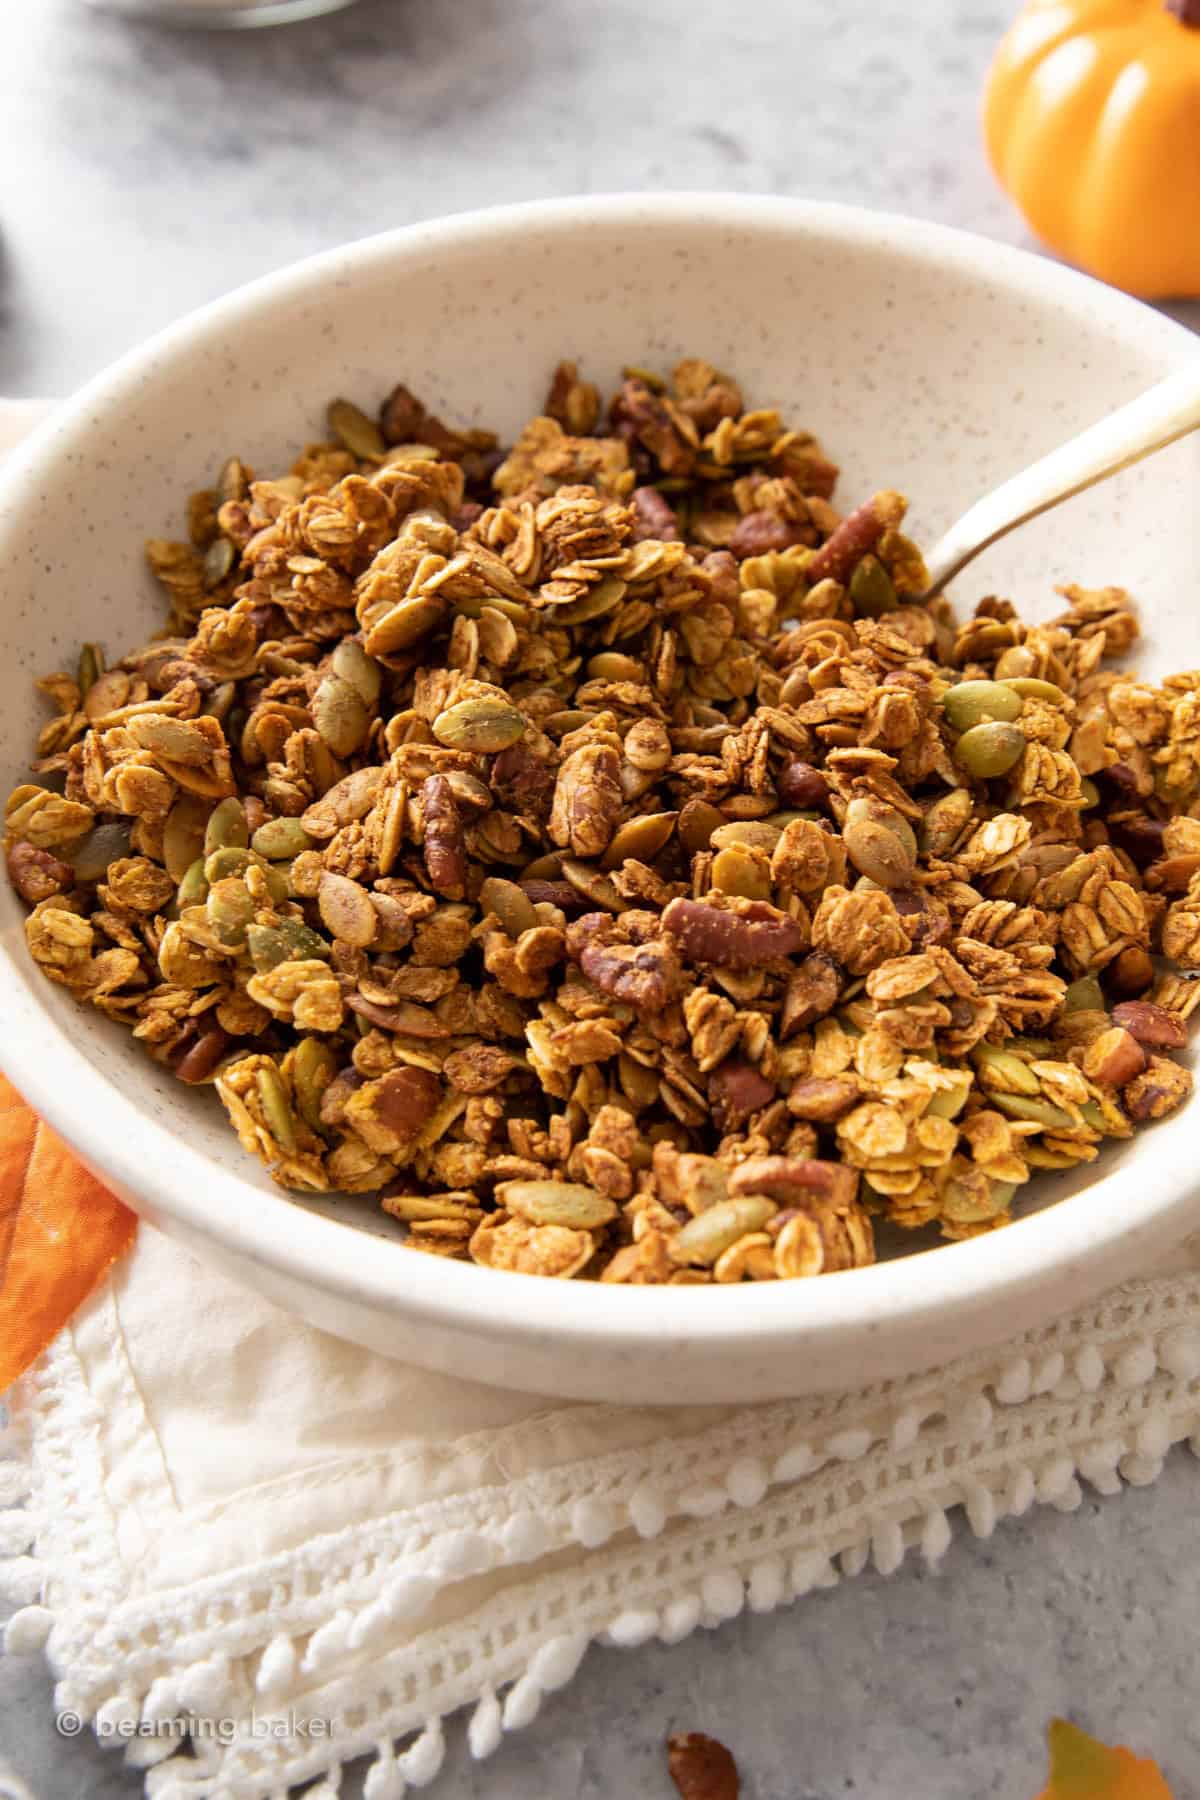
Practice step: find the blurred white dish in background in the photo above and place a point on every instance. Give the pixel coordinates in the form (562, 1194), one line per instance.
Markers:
(926, 358)
(233, 14)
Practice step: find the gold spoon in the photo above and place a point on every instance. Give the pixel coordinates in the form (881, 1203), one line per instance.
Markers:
(1149, 423)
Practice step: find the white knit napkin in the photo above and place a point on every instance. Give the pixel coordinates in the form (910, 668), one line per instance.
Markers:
(214, 1512)
(234, 1516)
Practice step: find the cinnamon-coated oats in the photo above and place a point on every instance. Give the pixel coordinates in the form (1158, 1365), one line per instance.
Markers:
(596, 849)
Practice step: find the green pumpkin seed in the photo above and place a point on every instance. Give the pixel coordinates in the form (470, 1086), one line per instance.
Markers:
(267, 947)
(278, 877)
(742, 871)
(1039, 1112)
(219, 559)
(230, 860)
(945, 821)
(233, 482)
(711, 1232)
(219, 702)
(872, 590)
(469, 791)
(476, 605)
(511, 905)
(990, 750)
(755, 834)
(411, 453)
(1002, 1072)
(1015, 661)
(304, 943)
(972, 703)
(272, 1095)
(346, 910)
(406, 624)
(481, 725)
(879, 842)
(281, 839)
(1094, 1115)
(91, 667)
(313, 1067)
(641, 838)
(558, 724)
(351, 663)
(967, 1203)
(647, 377)
(557, 1203)
(226, 828)
(1031, 687)
(348, 799)
(193, 889)
(183, 834)
(1089, 793)
(340, 714)
(592, 885)
(544, 868)
(104, 844)
(947, 1103)
(697, 822)
(610, 665)
(605, 597)
(1084, 995)
(355, 432)
(230, 908)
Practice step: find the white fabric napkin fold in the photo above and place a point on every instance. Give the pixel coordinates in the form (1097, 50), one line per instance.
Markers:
(214, 1512)
(233, 1516)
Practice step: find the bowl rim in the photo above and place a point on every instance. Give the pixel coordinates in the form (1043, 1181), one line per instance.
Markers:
(163, 1172)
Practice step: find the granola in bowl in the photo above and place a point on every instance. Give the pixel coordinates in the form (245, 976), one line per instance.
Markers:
(599, 850)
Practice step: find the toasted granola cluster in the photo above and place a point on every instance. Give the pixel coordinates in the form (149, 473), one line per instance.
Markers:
(600, 851)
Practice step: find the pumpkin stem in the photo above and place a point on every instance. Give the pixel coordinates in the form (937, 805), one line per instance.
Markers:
(1186, 11)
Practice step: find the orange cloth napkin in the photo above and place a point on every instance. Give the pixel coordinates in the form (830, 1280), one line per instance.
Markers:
(59, 1231)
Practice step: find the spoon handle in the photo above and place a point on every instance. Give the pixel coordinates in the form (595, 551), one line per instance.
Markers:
(1149, 423)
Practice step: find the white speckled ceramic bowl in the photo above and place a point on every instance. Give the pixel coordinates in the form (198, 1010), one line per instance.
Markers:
(927, 360)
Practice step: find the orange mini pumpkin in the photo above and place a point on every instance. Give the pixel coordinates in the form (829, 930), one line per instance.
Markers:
(1092, 120)
(1082, 1769)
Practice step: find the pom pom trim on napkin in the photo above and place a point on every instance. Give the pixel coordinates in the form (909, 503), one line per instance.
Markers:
(654, 1542)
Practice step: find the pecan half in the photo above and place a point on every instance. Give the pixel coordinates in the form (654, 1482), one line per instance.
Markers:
(523, 782)
(1151, 1024)
(795, 1181)
(480, 1068)
(587, 799)
(445, 844)
(1113, 1058)
(739, 935)
(701, 1767)
(647, 976)
(858, 532)
(822, 1100)
(652, 517)
(812, 991)
(35, 873)
(390, 1112)
(735, 1091)
(758, 532)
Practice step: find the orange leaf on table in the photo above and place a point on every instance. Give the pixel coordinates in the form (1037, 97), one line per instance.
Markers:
(59, 1231)
(1081, 1768)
